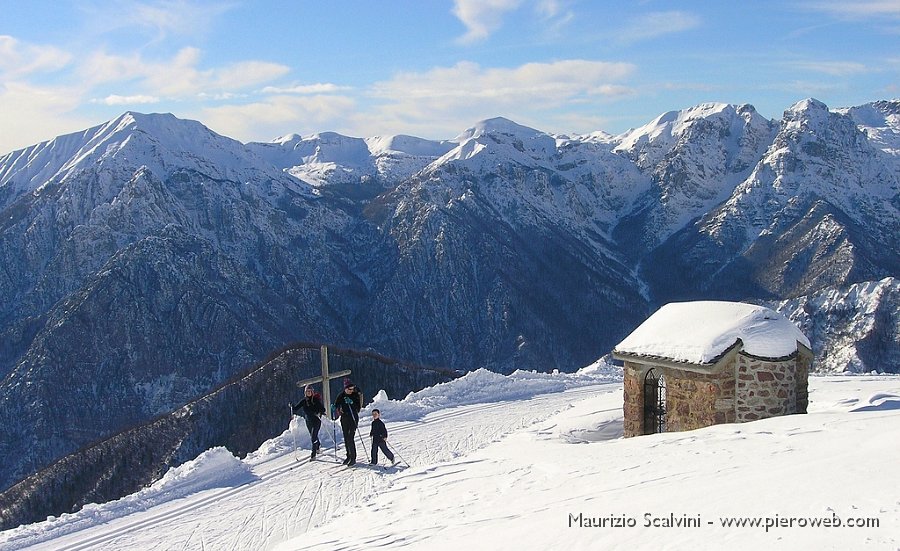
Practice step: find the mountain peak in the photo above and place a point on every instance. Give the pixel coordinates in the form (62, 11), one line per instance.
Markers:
(152, 123)
(498, 125)
(807, 105)
(512, 141)
(665, 128)
(159, 141)
(407, 145)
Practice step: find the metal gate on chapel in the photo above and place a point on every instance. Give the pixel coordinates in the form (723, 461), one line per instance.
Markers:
(654, 402)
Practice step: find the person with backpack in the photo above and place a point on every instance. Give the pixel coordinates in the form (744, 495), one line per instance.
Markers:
(379, 435)
(347, 406)
(311, 408)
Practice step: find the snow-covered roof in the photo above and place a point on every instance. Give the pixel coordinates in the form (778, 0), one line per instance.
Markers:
(700, 332)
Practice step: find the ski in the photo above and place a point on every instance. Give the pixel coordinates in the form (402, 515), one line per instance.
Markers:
(290, 428)
(320, 460)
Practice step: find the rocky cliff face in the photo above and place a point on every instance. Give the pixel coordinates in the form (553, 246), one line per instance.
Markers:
(818, 210)
(694, 159)
(855, 327)
(149, 259)
(489, 244)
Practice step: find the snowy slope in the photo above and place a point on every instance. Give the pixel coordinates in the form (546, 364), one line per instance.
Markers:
(521, 462)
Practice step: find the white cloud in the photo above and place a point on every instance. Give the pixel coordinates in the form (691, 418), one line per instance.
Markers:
(30, 113)
(245, 74)
(176, 77)
(804, 88)
(555, 16)
(656, 24)
(101, 67)
(834, 68)
(547, 82)
(305, 89)
(33, 114)
(693, 86)
(174, 16)
(549, 8)
(114, 99)
(859, 9)
(160, 19)
(221, 96)
(482, 17)
(18, 59)
(179, 76)
(436, 103)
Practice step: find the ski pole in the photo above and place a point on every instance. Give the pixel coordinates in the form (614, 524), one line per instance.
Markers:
(400, 457)
(356, 419)
(363, 443)
(290, 428)
(333, 438)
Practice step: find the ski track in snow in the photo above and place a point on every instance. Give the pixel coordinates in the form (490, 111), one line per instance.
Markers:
(289, 498)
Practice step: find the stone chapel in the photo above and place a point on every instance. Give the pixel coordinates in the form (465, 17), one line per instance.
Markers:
(695, 364)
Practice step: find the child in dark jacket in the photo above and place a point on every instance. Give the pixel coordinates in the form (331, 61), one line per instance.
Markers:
(379, 436)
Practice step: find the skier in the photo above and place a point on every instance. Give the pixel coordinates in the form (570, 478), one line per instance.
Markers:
(379, 438)
(347, 406)
(311, 408)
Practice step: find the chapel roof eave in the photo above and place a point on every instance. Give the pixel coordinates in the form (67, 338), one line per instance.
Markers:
(712, 366)
(715, 364)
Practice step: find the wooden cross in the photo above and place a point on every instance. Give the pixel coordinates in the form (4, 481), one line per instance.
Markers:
(324, 379)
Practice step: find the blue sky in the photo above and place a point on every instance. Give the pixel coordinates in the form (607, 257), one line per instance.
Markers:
(257, 70)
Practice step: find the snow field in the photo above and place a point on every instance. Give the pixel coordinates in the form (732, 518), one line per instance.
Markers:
(531, 461)
(544, 486)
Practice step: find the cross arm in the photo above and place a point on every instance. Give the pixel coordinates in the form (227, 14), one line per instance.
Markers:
(318, 379)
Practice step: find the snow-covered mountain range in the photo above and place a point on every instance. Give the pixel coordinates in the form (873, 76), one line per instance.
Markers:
(148, 259)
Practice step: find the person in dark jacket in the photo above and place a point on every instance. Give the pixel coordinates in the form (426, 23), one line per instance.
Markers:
(347, 406)
(379, 438)
(311, 408)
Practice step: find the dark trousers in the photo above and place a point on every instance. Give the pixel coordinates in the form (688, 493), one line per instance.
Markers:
(381, 444)
(313, 424)
(349, 430)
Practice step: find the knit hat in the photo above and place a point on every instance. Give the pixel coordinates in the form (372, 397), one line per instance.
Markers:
(307, 388)
(348, 383)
